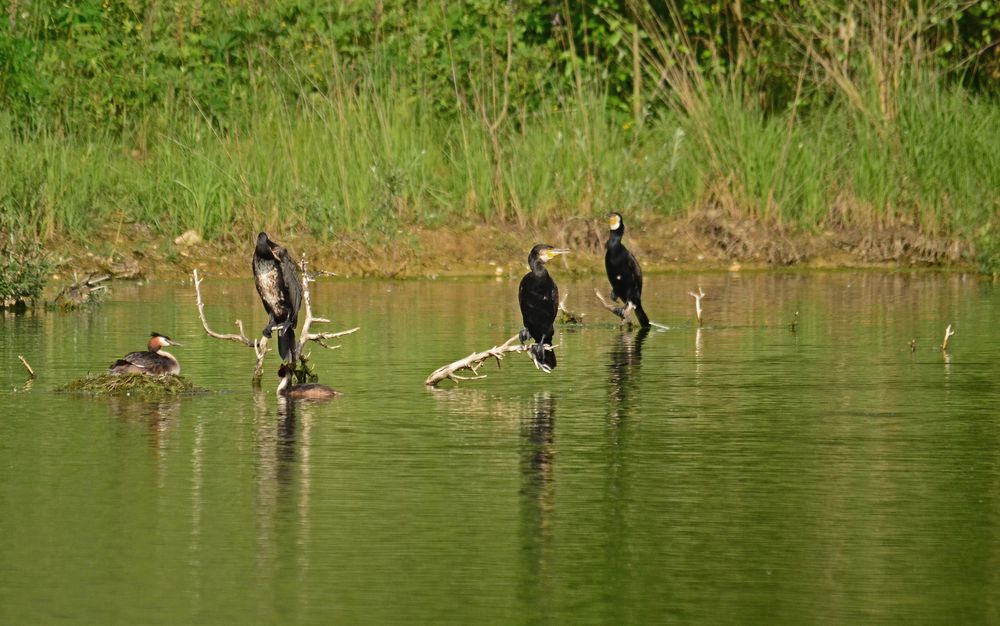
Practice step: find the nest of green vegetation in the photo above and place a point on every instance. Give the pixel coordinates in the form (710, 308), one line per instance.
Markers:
(133, 384)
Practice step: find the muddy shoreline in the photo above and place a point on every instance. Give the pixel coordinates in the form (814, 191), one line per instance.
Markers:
(704, 241)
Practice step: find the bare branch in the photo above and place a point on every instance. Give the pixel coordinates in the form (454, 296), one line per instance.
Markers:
(310, 319)
(567, 316)
(24, 362)
(625, 312)
(697, 304)
(476, 360)
(259, 345)
(948, 333)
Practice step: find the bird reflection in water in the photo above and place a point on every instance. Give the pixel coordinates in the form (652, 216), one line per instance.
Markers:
(537, 498)
(626, 356)
(283, 444)
(158, 416)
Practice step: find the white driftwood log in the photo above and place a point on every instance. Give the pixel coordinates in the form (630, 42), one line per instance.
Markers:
(626, 313)
(476, 360)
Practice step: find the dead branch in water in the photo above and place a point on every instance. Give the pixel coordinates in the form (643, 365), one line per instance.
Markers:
(476, 360)
(566, 316)
(259, 345)
(948, 333)
(305, 371)
(697, 304)
(24, 362)
(625, 313)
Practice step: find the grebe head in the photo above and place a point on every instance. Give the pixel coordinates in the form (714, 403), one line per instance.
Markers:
(157, 341)
(615, 221)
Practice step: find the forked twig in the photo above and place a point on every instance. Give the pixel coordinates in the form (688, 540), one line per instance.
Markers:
(567, 316)
(310, 319)
(948, 333)
(259, 345)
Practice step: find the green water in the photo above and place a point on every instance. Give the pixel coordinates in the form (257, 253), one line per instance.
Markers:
(743, 473)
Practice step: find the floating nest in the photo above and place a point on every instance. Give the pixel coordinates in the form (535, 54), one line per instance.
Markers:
(132, 385)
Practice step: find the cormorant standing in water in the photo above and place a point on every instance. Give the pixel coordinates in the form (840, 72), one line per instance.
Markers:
(539, 299)
(153, 361)
(280, 290)
(312, 391)
(623, 271)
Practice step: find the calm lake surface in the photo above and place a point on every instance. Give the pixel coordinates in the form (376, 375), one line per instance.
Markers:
(743, 473)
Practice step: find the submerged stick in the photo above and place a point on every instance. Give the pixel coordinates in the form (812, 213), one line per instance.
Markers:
(24, 362)
(948, 333)
(625, 313)
(476, 360)
(697, 303)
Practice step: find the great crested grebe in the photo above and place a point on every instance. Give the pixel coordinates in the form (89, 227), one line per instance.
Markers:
(153, 361)
(623, 271)
(280, 290)
(313, 391)
(539, 300)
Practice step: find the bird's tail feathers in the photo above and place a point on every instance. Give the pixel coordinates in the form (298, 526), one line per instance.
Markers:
(286, 342)
(641, 315)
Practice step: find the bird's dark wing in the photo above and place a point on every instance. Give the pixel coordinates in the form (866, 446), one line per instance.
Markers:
(293, 283)
(636, 271)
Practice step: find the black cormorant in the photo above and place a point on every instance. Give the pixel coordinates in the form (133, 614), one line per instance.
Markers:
(313, 391)
(539, 299)
(153, 361)
(623, 271)
(280, 290)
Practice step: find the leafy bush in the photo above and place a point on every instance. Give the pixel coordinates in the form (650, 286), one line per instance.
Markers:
(23, 270)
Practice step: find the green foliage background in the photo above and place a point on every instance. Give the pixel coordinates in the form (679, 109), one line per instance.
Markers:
(213, 115)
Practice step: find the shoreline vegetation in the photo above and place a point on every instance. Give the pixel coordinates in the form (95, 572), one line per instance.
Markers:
(401, 139)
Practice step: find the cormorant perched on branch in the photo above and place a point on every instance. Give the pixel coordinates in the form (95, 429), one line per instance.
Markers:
(539, 299)
(280, 290)
(623, 271)
(153, 361)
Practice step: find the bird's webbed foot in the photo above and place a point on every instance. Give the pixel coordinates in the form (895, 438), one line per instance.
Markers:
(523, 335)
(619, 311)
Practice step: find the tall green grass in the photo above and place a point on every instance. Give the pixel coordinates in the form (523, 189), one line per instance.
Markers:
(371, 154)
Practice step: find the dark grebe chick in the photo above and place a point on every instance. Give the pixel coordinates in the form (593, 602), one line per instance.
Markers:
(154, 361)
(313, 391)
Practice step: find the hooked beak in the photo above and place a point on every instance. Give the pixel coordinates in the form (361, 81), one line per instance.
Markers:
(613, 221)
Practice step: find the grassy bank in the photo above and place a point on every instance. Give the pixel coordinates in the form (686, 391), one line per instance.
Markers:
(371, 156)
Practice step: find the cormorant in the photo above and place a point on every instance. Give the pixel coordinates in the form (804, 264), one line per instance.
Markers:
(280, 290)
(153, 361)
(623, 271)
(313, 391)
(539, 299)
